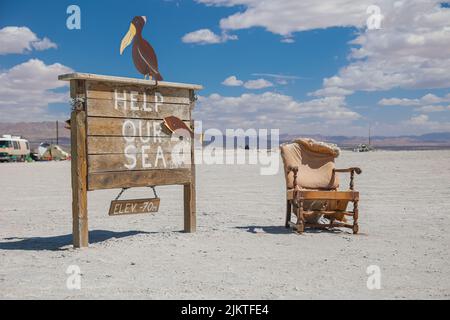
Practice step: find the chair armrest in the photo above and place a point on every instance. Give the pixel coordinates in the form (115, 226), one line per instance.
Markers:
(295, 170)
(349, 170)
(352, 174)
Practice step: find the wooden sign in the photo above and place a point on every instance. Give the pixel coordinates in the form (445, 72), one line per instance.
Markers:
(118, 140)
(137, 206)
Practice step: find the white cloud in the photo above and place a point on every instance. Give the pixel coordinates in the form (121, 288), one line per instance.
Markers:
(433, 108)
(273, 110)
(258, 84)
(399, 102)
(21, 40)
(428, 99)
(206, 36)
(409, 51)
(289, 16)
(287, 40)
(44, 44)
(422, 123)
(331, 91)
(419, 120)
(27, 89)
(232, 81)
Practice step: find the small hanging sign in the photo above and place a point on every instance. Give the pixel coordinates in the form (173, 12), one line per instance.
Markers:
(137, 206)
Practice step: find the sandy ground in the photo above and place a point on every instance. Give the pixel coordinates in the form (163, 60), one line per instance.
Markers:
(241, 249)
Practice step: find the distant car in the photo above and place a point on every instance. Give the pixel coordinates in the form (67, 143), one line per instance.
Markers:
(13, 148)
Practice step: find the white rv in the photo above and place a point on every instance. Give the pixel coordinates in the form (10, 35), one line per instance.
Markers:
(13, 148)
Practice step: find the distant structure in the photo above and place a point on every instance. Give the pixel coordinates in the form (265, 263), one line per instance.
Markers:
(365, 147)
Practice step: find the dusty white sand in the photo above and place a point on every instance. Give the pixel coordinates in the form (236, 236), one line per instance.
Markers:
(241, 249)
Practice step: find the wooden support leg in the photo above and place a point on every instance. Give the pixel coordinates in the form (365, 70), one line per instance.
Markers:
(79, 180)
(190, 223)
(355, 217)
(288, 212)
(300, 218)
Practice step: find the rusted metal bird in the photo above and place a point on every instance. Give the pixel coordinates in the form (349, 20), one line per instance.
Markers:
(144, 56)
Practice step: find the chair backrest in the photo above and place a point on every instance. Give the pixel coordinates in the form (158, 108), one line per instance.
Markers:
(315, 162)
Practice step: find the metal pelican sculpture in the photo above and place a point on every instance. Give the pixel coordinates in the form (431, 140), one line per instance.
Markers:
(144, 56)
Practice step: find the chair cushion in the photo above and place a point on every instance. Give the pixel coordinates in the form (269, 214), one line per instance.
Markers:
(315, 165)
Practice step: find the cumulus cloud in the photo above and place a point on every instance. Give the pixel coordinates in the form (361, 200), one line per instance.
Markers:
(21, 40)
(273, 110)
(289, 16)
(399, 102)
(206, 36)
(27, 89)
(433, 108)
(331, 91)
(423, 123)
(232, 81)
(425, 104)
(258, 84)
(409, 51)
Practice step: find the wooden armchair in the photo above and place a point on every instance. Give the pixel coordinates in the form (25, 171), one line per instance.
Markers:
(312, 187)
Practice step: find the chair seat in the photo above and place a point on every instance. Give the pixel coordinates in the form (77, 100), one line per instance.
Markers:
(308, 194)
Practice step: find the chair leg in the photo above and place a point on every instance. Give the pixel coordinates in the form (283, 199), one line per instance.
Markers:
(355, 217)
(300, 218)
(288, 212)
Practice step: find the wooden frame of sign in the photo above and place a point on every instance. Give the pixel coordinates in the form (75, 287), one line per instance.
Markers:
(117, 140)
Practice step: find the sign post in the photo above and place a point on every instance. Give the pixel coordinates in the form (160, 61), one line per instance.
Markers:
(118, 141)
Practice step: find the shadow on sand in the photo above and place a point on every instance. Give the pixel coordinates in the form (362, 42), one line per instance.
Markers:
(266, 229)
(284, 230)
(57, 243)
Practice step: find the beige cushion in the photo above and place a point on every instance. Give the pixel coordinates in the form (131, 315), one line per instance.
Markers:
(315, 164)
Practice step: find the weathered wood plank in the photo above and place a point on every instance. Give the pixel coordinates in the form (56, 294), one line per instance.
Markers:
(79, 180)
(108, 108)
(189, 195)
(137, 93)
(134, 206)
(118, 145)
(122, 162)
(115, 79)
(325, 195)
(126, 127)
(135, 179)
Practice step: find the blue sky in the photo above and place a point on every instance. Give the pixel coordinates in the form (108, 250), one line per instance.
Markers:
(279, 53)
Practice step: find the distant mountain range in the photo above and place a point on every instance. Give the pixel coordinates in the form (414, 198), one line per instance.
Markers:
(429, 140)
(37, 132)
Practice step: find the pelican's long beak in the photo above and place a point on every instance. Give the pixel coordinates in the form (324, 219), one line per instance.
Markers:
(128, 38)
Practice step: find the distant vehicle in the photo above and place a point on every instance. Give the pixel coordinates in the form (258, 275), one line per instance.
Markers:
(363, 148)
(13, 148)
